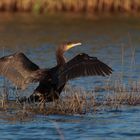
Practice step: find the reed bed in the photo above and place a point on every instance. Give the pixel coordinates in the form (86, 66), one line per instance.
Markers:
(89, 6)
(76, 101)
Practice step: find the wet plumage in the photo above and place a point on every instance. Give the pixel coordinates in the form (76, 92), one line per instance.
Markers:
(22, 71)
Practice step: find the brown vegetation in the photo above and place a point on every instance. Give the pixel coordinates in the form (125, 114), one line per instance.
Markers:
(77, 101)
(92, 6)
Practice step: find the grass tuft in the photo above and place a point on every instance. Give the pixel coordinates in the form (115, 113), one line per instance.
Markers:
(77, 101)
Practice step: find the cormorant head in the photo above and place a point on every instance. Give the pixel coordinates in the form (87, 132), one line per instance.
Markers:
(62, 49)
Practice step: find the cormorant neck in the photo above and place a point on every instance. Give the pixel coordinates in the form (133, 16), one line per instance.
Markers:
(60, 56)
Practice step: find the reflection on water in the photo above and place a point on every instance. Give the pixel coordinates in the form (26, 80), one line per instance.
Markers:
(114, 40)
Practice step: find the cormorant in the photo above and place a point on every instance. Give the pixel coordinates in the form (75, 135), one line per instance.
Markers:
(22, 71)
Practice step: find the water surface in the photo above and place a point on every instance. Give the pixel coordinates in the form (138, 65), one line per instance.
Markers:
(114, 40)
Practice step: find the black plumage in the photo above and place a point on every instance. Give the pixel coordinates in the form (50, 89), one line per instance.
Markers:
(22, 71)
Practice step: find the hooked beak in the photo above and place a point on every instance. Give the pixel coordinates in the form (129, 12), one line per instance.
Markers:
(73, 45)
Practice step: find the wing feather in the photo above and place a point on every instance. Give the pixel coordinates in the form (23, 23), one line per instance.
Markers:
(20, 70)
(82, 65)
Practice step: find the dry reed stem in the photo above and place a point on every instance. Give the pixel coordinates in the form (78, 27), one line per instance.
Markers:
(81, 102)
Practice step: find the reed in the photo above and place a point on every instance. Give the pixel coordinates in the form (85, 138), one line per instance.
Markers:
(78, 101)
(89, 6)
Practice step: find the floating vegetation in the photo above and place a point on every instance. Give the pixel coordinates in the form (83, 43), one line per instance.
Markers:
(90, 6)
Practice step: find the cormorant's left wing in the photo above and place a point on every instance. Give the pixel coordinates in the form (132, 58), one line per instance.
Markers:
(82, 65)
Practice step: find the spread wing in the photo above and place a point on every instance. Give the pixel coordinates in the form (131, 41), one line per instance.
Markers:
(82, 65)
(20, 70)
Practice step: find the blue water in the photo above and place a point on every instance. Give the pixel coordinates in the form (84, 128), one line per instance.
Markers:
(119, 124)
(113, 40)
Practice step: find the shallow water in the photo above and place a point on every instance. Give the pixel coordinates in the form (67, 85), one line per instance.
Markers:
(114, 40)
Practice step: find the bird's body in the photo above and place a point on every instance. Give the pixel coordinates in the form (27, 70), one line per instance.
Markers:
(48, 87)
(21, 71)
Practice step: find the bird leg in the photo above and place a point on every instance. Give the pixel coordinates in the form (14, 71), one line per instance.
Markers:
(38, 97)
(52, 96)
(35, 97)
(42, 98)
